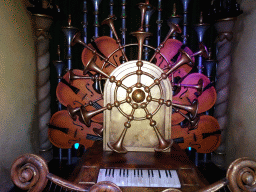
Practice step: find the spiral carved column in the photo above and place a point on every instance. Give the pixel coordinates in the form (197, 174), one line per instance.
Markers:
(42, 24)
(224, 28)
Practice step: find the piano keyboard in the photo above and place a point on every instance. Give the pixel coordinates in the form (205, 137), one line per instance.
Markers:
(140, 177)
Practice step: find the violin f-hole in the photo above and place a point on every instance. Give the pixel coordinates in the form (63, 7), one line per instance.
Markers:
(78, 126)
(74, 141)
(115, 59)
(84, 97)
(161, 57)
(87, 84)
(183, 93)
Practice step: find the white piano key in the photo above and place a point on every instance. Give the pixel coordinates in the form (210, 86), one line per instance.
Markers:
(108, 176)
(154, 178)
(145, 178)
(116, 177)
(168, 181)
(134, 178)
(129, 178)
(176, 179)
(163, 179)
(101, 176)
(140, 178)
(123, 178)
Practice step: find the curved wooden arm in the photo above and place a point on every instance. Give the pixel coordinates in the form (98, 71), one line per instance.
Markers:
(30, 172)
(241, 176)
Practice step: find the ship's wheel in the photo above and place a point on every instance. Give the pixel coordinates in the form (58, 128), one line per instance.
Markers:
(140, 99)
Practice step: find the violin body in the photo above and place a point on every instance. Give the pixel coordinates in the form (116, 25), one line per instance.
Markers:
(171, 52)
(204, 139)
(78, 93)
(186, 95)
(63, 132)
(105, 46)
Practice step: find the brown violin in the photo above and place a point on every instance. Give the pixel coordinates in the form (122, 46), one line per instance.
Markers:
(194, 86)
(64, 132)
(205, 138)
(79, 92)
(105, 46)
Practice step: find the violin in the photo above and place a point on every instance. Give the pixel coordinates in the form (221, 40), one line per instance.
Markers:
(79, 92)
(105, 46)
(171, 52)
(64, 132)
(205, 138)
(186, 94)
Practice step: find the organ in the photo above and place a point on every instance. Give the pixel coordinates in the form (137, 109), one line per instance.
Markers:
(126, 156)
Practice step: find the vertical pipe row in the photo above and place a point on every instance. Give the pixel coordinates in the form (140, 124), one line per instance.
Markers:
(185, 20)
(59, 65)
(85, 23)
(200, 29)
(123, 28)
(148, 15)
(96, 14)
(159, 22)
(69, 32)
(111, 6)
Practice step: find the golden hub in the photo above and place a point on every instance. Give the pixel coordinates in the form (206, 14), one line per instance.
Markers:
(138, 95)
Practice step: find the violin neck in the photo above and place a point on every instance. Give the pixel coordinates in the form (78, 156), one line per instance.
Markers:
(64, 130)
(205, 135)
(179, 140)
(93, 137)
(96, 105)
(97, 49)
(175, 57)
(74, 89)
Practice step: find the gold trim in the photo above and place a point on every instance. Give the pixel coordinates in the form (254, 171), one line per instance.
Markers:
(42, 15)
(227, 19)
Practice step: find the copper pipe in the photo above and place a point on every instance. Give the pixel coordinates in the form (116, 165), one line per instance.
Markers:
(77, 39)
(185, 59)
(110, 22)
(192, 109)
(91, 66)
(140, 35)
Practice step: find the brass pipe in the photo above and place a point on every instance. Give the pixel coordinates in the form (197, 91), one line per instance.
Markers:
(110, 22)
(77, 39)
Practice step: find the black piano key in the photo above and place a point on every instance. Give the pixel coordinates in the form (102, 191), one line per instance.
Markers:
(138, 172)
(109, 172)
(124, 173)
(113, 172)
(106, 172)
(152, 173)
(127, 171)
(134, 173)
(120, 172)
(159, 173)
(148, 173)
(141, 173)
(170, 173)
(166, 173)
